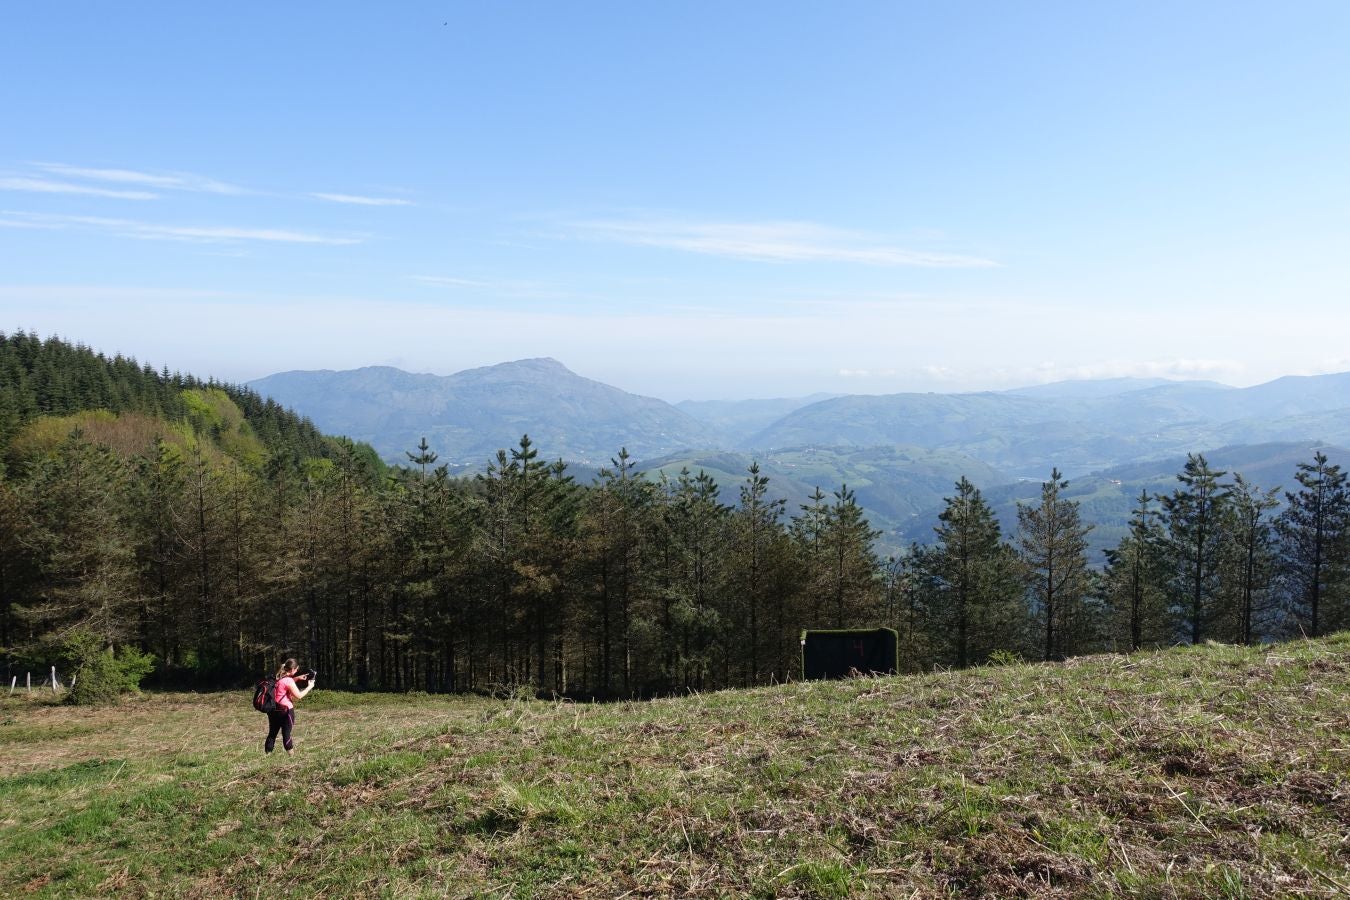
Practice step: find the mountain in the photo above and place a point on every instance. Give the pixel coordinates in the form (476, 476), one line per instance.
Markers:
(900, 453)
(1027, 434)
(1097, 387)
(1107, 498)
(893, 485)
(737, 420)
(468, 416)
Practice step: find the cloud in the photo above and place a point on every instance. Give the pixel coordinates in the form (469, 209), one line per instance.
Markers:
(1182, 368)
(47, 186)
(153, 231)
(169, 181)
(769, 242)
(362, 201)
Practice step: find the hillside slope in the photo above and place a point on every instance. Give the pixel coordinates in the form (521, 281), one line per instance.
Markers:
(1073, 428)
(1213, 771)
(468, 416)
(894, 485)
(1107, 499)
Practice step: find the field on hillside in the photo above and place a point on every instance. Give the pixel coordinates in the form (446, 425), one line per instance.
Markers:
(1208, 772)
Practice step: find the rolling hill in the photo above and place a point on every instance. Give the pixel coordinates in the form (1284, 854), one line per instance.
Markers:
(1026, 433)
(1107, 498)
(737, 420)
(894, 485)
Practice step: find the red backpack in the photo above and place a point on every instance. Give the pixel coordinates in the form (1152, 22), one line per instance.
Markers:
(265, 696)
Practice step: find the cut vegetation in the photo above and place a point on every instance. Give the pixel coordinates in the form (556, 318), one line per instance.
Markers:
(1202, 772)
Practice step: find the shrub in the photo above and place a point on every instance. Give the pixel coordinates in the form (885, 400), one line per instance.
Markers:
(99, 674)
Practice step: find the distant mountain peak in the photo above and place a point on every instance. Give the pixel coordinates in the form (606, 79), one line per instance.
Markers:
(537, 362)
(467, 416)
(534, 366)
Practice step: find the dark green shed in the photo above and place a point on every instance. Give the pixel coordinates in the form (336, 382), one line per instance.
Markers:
(839, 653)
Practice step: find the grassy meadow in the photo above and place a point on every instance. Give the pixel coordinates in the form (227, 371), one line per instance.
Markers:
(1214, 771)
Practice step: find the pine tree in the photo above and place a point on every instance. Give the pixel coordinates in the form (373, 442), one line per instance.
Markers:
(616, 521)
(1251, 562)
(1193, 519)
(1134, 583)
(852, 563)
(757, 548)
(17, 571)
(808, 532)
(976, 579)
(694, 525)
(1054, 550)
(80, 534)
(1314, 532)
(905, 593)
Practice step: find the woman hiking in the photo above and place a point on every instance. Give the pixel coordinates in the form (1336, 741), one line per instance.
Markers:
(287, 694)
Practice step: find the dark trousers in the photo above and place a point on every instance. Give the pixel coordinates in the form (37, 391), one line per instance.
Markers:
(283, 720)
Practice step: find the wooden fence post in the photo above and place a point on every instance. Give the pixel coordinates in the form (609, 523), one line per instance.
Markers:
(53, 679)
(30, 682)
(14, 679)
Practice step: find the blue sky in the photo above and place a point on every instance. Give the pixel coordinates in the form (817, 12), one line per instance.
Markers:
(687, 200)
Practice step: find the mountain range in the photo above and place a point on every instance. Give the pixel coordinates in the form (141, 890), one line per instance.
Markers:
(900, 453)
(468, 416)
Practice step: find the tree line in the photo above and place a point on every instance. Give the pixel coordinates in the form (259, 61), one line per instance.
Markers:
(215, 535)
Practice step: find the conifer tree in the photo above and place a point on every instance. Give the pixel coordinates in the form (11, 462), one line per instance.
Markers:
(1134, 583)
(1252, 559)
(1314, 532)
(1053, 542)
(808, 536)
(80, 534)
(1193, 517)
(616, 521)
(16, 570)
(694, 525)
(757, 548)
(852, 563)
(977, 581)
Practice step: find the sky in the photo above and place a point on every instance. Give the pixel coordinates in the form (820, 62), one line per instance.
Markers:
(693, 200)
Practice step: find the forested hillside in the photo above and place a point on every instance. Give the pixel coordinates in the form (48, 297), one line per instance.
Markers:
(192, 523)
(1075, 427)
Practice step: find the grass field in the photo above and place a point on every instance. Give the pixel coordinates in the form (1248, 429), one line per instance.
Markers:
(1208, 772)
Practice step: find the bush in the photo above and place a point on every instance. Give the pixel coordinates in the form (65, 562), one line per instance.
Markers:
(1005, 658)
(99, 675)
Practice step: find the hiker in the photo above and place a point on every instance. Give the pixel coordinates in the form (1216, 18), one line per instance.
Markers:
(287, 693)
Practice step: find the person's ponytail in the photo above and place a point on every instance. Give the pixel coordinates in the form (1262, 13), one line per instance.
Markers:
(287, 666)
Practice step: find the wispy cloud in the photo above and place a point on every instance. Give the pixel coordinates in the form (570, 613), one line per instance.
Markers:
(362, 201)
(769, 242)
(168, 181)
(208, 234)
(48, 186)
